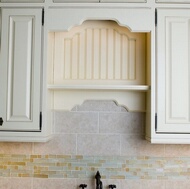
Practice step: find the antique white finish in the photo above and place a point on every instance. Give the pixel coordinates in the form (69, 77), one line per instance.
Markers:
(22, 1)
(157, 80)
(173, 1)
(21, 65)
(173, 82)
(132, 18)
(20, 74)
(99, 52)
(100, 87)
(123, 1)
(75, 1)
(173, 98)
(98, 55)
(101, 1)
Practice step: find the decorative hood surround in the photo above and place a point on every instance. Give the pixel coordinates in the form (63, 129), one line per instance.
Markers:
(98, 55)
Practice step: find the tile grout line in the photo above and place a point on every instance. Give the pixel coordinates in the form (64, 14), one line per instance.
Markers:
(98, 122)
(76, 144)
(32, 183)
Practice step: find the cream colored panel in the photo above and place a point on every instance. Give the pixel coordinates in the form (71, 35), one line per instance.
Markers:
(99, 51)
(20, 69)
(173, 1)
(173, 71)
(67, 99)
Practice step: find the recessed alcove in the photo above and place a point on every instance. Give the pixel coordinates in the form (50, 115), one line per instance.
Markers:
(98, 60)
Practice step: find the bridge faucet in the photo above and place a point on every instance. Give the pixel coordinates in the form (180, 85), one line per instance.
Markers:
(99, 184)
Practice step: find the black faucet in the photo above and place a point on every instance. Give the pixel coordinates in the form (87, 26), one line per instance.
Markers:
(82, 186)
(112, 186)
(99, 184)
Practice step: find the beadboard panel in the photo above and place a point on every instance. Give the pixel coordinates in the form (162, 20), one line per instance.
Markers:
(99, 51)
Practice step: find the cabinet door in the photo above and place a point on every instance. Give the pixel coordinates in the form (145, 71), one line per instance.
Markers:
(172, 1)
(76, 1)
(20, 67)
(123, 1)
(173, 71)
(22, 1)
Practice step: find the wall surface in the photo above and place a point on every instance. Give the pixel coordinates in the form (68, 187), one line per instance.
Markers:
(97, 135)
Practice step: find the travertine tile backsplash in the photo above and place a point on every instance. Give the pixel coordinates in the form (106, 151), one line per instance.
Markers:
(97, 135)
(100, 127)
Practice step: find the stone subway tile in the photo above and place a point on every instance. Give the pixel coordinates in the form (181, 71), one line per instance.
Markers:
(129, 123)
(76, 122)
(60, 144)
(98, 144)
(12, 183)
(54, 183)
(136, 145)
(178, 149)
(177, 184)
(15, 148)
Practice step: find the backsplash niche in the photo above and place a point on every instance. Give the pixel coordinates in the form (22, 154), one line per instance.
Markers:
(98, 60)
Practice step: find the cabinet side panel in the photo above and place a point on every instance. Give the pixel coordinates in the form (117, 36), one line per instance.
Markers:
(177, 70)
(20, 69)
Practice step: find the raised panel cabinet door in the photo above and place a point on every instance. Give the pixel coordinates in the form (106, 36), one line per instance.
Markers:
(20, 68)
(123, 1)
(76, 1)
(22, 1)
(173, 71)
(172, 1)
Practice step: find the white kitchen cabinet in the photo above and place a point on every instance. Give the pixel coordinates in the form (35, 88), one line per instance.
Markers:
(99, 1)
(172, 1)
(173, 73)
(20, 69)
(98, 59)
(123, 1)
(22, 1)
(76, 1)
(162, 89)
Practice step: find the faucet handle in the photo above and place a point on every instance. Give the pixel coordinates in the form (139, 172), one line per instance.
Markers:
(82, 186)
(112, 186)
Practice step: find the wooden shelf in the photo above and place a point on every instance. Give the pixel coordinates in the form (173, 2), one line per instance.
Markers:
(100, 87)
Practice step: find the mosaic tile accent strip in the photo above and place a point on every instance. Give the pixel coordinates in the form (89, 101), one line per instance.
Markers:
(69, 166)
